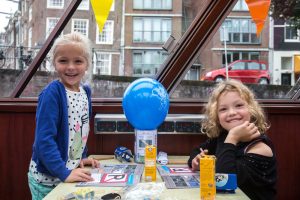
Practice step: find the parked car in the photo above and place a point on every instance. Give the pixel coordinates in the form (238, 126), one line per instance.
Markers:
(247, 71)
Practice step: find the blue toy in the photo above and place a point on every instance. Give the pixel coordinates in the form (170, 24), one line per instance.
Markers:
(123, 154)
(145, 104)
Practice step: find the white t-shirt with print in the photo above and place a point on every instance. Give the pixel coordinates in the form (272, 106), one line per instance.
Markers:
(78, 119)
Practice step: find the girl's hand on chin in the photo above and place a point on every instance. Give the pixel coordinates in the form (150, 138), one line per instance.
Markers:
(242, 133)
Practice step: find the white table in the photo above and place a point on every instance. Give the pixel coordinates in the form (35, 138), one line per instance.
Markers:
(175, 194)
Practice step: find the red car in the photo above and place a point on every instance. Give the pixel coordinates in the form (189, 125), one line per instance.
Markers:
(247, 71)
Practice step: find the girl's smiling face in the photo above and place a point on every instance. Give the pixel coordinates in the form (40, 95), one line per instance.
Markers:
(232, 110)
(70, 65)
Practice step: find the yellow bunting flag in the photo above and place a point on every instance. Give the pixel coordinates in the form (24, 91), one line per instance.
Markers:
(259, 11)
(101, 10)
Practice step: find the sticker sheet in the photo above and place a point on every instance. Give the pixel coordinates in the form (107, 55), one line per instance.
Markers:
(115, 175)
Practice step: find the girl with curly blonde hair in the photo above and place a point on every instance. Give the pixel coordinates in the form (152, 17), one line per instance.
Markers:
(236, 125)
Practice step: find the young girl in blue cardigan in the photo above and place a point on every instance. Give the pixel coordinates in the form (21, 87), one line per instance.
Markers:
(62, 120)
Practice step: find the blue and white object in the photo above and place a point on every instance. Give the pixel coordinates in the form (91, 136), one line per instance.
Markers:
(145, 104)
(226, 182)
(162, 158)
(123, 154)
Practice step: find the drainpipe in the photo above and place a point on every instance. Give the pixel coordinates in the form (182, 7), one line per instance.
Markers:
(122, 43)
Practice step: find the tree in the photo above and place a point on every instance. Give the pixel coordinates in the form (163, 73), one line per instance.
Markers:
(288, 10)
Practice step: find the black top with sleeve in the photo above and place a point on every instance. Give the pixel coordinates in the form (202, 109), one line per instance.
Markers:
(256, 174)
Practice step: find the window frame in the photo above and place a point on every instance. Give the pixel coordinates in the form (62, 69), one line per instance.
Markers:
(251, 33)
(110, 41)
(152, 6)
(154, 67)
(297, 40)
(51, 6)
(48, 28)
(98, 53)
(81, 20)
(152, 31)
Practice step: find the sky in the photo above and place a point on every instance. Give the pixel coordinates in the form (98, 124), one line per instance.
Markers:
(7, 7)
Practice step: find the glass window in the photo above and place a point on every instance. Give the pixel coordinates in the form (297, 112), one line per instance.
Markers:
(51, 23)
(241, 31)
(238, 66)
(193, 73)
(151, 29)
(253, 66)
(55, 3)
(286, 63)
(80, 25)
(291, 34)
(103, 64)
(152, 4)
(240, 6)
(84, 5)
(107, 35)
(240, 55)
(146, 63)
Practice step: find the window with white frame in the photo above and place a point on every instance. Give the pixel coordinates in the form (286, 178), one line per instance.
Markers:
(55, 3)
(50, 24)
(151, 29)
(241, 31)
(84, 5)
(81, 26)
(152, 4)
(102, 64)
(240, 6)
(107, 35)
(147, 63)
(291, 34)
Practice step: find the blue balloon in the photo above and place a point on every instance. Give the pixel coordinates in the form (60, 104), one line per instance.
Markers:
(145, 104)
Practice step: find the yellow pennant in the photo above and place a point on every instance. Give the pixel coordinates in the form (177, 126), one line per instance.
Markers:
(101, 10)
(259, 11)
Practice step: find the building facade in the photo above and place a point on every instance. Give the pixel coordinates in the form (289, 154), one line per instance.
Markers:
(239, 32)
(286, 51)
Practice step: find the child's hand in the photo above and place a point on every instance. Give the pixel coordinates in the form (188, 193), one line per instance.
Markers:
(79, 175)
(242, 133)
(196, 160)
(89, 161)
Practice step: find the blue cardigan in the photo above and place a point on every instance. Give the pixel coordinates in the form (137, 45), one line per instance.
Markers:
(50, 148)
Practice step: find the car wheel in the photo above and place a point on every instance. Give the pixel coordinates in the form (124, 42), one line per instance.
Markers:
(219, 79)
(263, 81)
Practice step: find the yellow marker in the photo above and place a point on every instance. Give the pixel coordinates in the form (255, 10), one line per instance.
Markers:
(150, 163)
(207, 177)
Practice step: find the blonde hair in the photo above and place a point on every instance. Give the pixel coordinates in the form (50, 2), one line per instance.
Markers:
(78, 40)
(211, 125)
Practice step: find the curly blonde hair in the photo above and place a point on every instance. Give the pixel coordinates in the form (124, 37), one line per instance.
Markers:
(211, 125)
